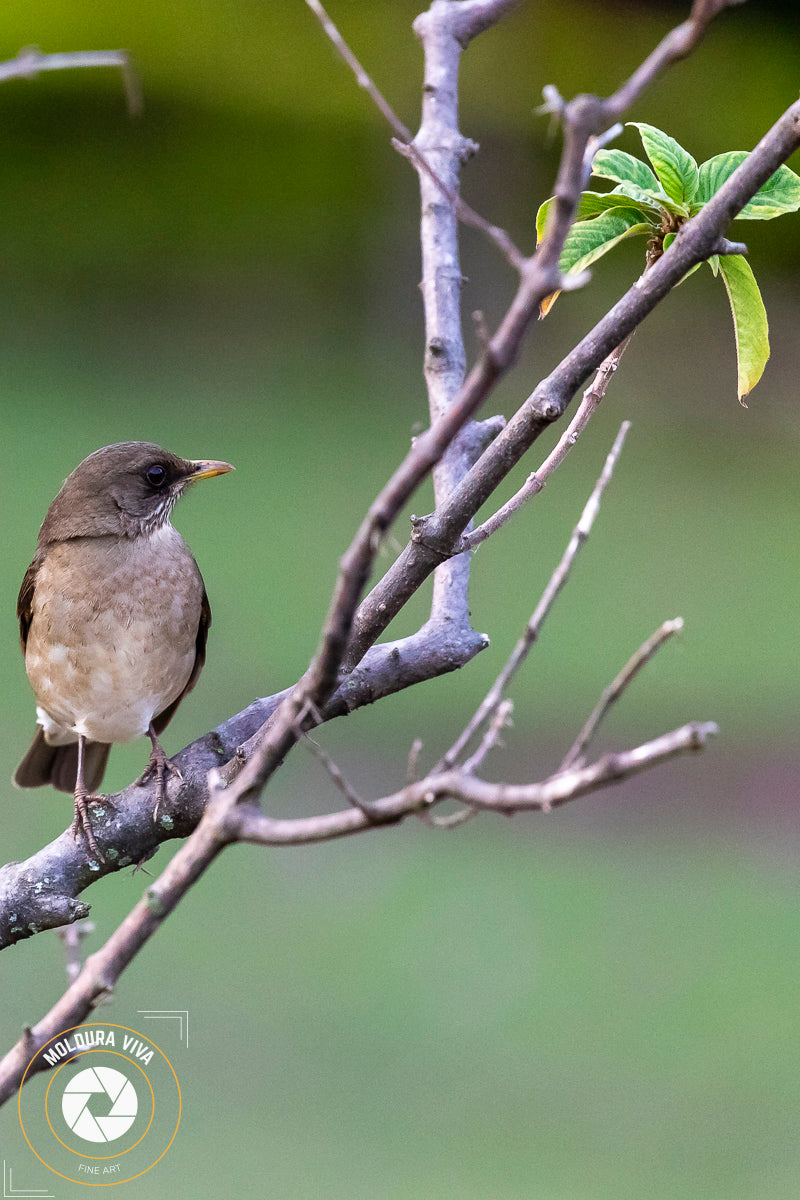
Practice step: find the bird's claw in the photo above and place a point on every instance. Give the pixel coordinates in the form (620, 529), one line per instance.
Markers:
(158, 769)
(81, 822)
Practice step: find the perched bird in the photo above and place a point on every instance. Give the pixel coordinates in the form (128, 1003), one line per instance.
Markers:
(113, 619)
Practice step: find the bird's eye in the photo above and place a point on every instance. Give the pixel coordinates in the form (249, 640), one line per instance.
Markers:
(156, 475)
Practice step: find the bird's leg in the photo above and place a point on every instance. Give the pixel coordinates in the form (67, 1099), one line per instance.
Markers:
(159, 767)
(81, 822)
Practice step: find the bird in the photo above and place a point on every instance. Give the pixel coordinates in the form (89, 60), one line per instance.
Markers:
(113, 620)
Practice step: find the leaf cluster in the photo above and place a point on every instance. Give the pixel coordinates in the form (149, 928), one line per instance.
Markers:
(654, 202)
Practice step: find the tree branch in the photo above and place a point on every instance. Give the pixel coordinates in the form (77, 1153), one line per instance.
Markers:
(406, 145)
(30, 61)
(576, 753)
(536, 481)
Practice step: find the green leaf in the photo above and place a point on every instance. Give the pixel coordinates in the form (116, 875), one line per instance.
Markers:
(779, 195)
(654, 202)
(541, 218)
(715, 171)
(674, 166)
(591, 204)
(749, 320)
(624, 168)
(589, 240)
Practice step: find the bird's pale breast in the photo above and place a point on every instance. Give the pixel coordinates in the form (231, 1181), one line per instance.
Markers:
(113, 643)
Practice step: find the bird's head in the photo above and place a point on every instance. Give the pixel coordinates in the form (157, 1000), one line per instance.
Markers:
(127, 490)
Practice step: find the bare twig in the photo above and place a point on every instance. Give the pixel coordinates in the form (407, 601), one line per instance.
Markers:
(404, 141)
(363, 79)
(577, 752)
(71, 937)
(569, 438)
(678, 44)
(254, 826)
(491, 737)
(30, 61)
(335, 773)
(556, 582)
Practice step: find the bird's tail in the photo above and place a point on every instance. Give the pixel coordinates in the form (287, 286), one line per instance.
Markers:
(59, 765)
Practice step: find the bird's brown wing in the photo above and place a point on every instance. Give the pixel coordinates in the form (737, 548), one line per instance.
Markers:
(53, 764)
(25, 601)
(163, 718)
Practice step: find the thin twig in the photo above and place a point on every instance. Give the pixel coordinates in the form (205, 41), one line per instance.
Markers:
(30, 61)
(255, 826)
(491, 737)
(569, 438)
(554, 586)
(362, 78)
(677, 44)
(413, 760)
(335, 772)
(577, 752)
(71, 937)
(404, 144)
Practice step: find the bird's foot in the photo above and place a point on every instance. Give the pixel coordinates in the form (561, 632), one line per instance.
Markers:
(81, 822)
(160, 768)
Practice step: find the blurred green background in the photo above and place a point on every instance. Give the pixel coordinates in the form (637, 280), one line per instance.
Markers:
(595, 1005)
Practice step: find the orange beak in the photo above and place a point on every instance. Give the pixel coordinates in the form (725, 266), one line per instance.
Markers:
(206, 468)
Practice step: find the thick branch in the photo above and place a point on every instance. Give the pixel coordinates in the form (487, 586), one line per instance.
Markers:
(126, 832)
(442, 147)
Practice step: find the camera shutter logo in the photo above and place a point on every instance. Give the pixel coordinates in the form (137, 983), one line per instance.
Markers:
(86, 1099)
